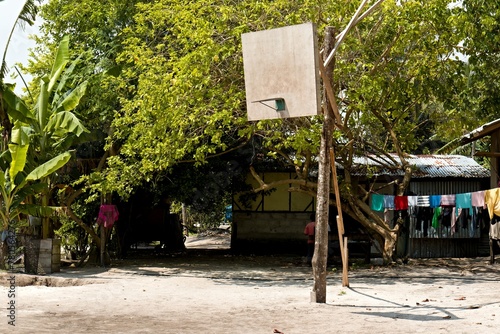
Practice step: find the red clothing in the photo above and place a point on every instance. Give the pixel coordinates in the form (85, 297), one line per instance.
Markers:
(309, 231)
(401, 203)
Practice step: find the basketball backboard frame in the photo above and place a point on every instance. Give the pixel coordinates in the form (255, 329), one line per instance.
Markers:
(281, 69)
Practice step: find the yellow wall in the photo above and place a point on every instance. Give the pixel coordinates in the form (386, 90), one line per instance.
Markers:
(280, 199)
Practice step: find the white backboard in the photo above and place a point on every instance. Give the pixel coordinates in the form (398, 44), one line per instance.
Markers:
(281, 72)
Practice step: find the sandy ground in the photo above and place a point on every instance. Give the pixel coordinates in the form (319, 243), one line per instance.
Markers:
(211, 291)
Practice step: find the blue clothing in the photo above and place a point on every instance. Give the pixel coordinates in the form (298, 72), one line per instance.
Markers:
(389, 201)
(435, 201)
(463, 201)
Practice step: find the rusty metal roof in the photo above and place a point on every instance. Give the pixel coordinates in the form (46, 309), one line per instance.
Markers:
(425, 166)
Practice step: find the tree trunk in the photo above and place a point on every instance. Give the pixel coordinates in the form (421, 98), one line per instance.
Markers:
(319, 260)
(47, 231)
(389, 247)
(4, 253)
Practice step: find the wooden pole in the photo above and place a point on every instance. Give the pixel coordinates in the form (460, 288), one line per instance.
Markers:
(340, 223)
(319, 260)
(103, 245)
(345, 278)
(342, 35)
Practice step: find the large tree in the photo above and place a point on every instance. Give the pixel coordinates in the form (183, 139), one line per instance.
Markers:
(391, 72)
(180, 95)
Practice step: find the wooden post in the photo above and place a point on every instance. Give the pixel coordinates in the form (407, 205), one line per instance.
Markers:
(340, 223)
(103, 245)
(492, 249)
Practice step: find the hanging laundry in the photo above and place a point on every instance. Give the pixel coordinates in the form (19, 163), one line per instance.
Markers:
(448, 200)
(453, 221)
(447, 216)
(494, 232)
(463, 201)
(387, 215)
(492, 200)
(412, 201)
(435, 201)
(477, 198)
(108, 214)
(423, 201)
(473, 229)
(377, 202)
(476, 217)
(450, 215)
(436, 218)
(424, 220)
(463, 218)
(389, 201)
(401, 202)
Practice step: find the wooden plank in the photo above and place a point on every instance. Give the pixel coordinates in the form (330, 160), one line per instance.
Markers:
(340, 223)
(487, 154)
(103, 245)
(345, 264)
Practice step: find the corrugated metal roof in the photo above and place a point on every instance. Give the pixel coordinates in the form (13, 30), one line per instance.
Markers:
(426, 166)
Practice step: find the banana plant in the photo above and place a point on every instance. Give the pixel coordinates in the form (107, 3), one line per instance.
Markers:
(16, 183)
(51, 127)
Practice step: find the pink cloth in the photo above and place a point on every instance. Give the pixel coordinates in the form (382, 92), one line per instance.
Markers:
(108, 214)
(478, 199)
(448, 200)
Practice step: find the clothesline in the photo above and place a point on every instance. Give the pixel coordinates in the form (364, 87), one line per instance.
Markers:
(485, 198)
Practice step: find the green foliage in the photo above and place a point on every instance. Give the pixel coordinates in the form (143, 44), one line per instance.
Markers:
(51, 126)
(41, 138)
(182, 68)
(74, 239)
(178, 95)
(392, 69)
(477, 101)
(203, 220)
(16, 186)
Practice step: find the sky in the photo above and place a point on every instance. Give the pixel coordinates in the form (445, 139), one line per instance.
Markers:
(20, 42)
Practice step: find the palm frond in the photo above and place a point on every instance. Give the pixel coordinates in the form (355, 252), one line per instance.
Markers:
(27, 14)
